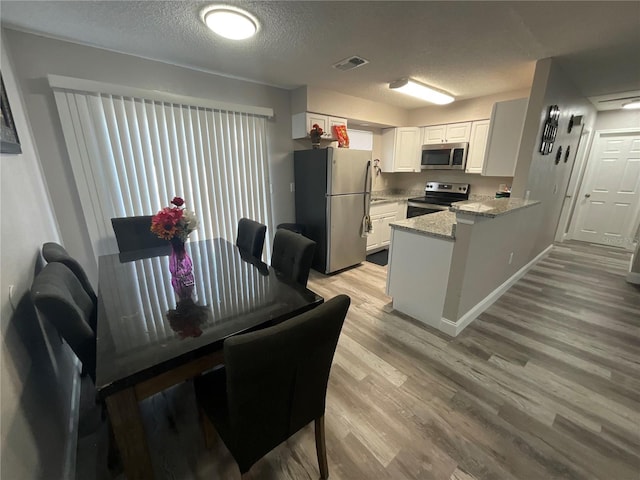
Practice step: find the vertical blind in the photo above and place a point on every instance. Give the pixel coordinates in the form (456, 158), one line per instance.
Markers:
(131, 156)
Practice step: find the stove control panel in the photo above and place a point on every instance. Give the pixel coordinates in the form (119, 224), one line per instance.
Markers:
(462, 188)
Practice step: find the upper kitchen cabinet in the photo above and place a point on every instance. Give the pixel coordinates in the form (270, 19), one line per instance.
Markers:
(447, 133)
(401, 149)
(503, 142)
(477, 146)
(301, 124)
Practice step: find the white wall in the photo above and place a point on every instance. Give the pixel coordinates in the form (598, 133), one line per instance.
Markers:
(614, 119)
(340, 105)
(486, 186)
(37, 369)
(463, 110)
(36, 56)
(537, 173)
(481, 254)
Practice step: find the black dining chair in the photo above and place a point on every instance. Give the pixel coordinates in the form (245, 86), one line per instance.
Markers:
(134, 233)
(250, 237)
(292, 255)
(274, 382)
(60, 298)
(54, 252)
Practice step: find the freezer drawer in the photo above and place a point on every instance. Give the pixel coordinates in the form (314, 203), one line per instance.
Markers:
(346, 245)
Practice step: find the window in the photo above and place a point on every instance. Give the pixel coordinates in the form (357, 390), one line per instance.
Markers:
(132, 151)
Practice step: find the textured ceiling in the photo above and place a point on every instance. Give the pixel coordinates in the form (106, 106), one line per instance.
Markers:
(469, 49)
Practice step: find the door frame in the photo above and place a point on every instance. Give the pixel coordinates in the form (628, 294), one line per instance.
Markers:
(589, 164)
(578, 169)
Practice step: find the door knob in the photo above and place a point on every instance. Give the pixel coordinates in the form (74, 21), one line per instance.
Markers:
(587, 195)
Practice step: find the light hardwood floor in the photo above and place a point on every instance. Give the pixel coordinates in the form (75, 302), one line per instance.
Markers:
(545, 384)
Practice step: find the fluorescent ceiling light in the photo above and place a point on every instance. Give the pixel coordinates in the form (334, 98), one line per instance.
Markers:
(230, 22)
(632, 105)
(415, 89)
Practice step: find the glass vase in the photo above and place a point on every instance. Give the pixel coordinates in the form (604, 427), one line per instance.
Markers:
(181, 268)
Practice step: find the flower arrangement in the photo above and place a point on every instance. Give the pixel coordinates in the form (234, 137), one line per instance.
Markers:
(316, 133)
(174, 222)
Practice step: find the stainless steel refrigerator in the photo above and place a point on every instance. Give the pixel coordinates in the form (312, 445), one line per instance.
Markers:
(332, 191)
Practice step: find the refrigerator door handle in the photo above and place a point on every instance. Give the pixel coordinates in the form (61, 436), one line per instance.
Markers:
(367, 227)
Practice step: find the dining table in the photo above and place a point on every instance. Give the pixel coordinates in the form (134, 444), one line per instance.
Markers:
(155, 330)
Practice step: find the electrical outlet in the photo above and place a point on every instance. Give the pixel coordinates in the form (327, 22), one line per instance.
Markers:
(292, 186)
(510, 258)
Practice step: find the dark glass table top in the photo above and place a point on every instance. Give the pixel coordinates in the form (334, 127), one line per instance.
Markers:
(145, 329)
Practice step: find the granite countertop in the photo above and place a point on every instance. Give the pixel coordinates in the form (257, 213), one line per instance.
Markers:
(440, 225)
(383, 196)
(492, 208)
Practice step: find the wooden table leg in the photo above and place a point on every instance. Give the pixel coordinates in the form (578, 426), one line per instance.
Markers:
(124, 414)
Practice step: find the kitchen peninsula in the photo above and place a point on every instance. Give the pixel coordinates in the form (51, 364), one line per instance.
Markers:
(446, 268)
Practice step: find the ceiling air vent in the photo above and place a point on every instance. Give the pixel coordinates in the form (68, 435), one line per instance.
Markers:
(350, 63)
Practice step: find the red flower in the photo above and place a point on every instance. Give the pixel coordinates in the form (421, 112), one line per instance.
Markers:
(165, 222)
(177, 201)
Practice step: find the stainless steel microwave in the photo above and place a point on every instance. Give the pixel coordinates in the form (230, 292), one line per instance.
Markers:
(444, 156)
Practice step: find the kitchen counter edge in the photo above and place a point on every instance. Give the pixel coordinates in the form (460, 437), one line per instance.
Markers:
(492, 208)
(438, 225)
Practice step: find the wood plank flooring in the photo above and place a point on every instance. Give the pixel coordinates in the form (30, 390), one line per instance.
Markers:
(545, 384)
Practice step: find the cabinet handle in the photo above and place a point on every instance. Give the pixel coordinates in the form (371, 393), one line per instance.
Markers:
(587, 195)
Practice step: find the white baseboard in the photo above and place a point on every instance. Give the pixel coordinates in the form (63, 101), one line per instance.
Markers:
(454, 328)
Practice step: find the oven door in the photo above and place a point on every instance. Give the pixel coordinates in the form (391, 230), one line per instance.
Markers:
(415, 209)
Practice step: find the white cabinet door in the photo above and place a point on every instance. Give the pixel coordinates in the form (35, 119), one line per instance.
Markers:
(407, 150)
(334, 121)
(321, 121)
(434, 134)
(385, 228)
(446, 133)
(382, 214)
(373, 239)
(401, 149)
(503, 143)
(458, 132)
(301, 124)
(477, 146)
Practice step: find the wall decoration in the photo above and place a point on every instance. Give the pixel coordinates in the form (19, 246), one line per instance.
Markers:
(574, 121)
(558, 155)
(550, 130)
(9, 142)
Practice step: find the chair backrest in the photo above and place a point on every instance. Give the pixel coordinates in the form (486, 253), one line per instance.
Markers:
(292, 255)
(54, 252)
(250, 237)
(277, 378)
(134, 233)
(59, 297)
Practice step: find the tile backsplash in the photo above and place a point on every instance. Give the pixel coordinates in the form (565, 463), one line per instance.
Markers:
(416, 181)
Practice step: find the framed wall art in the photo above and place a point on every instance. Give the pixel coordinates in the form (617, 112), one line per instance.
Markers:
(9, 142)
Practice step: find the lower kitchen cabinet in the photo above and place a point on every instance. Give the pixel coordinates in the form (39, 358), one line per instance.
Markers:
(382, 215)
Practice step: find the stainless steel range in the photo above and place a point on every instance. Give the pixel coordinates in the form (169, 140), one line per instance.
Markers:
(437, 197)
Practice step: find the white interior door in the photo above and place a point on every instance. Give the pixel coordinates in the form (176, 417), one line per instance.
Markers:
(607, 208)
(563, 232)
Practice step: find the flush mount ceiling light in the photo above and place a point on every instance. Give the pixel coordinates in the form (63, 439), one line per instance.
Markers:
(632, 105)
(230, 22)
(416, 89)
